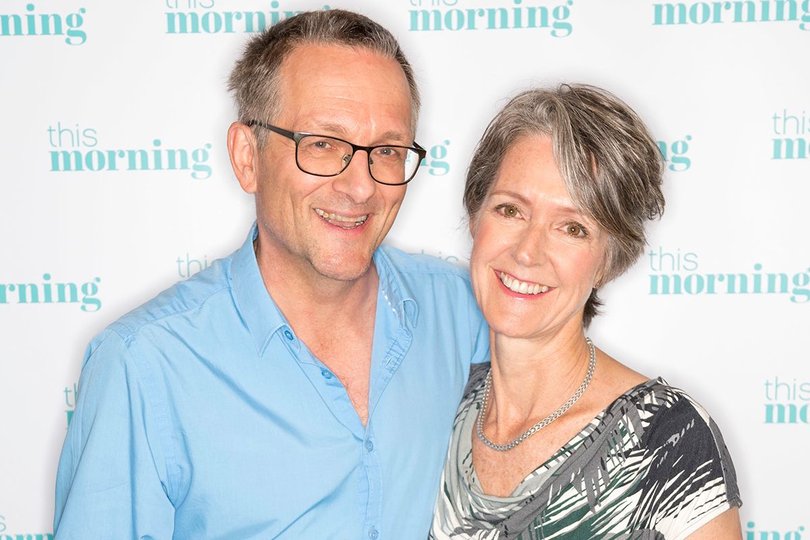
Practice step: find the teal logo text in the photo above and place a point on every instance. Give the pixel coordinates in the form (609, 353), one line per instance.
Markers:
(202, 17)
(676, 273)
(791, 135)
(76, 149)
(732, 12)
(33, 22)
(787, 401)
(48, 291)
(675, 153)
(436, 159)
(453, 15)
(754, 532)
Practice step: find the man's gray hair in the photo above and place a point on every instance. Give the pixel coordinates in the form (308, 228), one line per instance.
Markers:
(610, 164)
(255, 79)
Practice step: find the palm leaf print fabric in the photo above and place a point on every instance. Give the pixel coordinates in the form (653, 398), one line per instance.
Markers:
(652, 465)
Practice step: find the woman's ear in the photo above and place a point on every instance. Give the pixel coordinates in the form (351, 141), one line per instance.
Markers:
(601, 276)
(472, 223)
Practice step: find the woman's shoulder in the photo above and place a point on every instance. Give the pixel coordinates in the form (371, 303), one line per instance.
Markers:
(679, 445)
(664, 404)
(478, 376)
(473, 390)
(660, 408)
(677, 428)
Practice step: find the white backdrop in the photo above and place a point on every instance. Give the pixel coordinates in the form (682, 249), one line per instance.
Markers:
(719, 304)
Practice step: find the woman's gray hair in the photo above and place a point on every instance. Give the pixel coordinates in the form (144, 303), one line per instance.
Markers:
(254, 79)
(610, 164)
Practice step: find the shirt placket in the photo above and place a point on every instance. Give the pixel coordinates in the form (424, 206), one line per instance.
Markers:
(396, 347)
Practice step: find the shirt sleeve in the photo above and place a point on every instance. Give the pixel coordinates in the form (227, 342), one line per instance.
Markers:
(692, 478)
(111, 481)
(479, 331)
(481, 346)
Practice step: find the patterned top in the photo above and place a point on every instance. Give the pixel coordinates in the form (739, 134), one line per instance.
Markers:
(652, 465)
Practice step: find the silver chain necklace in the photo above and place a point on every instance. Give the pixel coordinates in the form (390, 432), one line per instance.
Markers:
(479, 423)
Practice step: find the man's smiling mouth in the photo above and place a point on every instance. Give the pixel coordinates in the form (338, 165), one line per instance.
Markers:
(345, 222)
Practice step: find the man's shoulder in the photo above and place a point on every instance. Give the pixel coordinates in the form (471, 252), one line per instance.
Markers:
(181, 299)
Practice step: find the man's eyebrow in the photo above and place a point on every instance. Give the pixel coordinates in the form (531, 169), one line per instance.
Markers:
(391, 136)
(329, 128)
(395, 136)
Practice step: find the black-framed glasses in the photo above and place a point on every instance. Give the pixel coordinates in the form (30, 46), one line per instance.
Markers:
(323, 155)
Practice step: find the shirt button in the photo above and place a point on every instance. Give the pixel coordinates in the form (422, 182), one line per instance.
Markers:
(373, 533)
(369, 445)
(326, 374)
(288, 335)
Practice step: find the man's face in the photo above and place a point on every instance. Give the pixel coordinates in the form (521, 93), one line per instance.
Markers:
(330, 227)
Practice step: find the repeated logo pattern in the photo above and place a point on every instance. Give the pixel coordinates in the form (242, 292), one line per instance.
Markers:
(33, 22)
(735, 12)
(454, 15)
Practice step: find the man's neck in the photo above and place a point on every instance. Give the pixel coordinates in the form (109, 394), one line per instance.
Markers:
(308, 298)
(334, 318)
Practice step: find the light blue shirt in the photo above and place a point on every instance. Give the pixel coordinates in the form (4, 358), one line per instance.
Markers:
(201, 414)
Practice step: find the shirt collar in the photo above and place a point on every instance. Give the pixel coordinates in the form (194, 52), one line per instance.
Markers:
(261, 314)
(255, 306)
(394, 290)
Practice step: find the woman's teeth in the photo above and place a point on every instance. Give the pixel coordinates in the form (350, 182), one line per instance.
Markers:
(522, 287)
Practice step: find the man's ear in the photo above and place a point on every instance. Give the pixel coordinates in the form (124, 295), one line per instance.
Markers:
(244, 152)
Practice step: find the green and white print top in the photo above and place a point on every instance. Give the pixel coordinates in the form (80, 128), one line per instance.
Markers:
(652, 465)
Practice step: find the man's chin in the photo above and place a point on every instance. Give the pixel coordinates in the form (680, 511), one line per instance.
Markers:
(342, 268)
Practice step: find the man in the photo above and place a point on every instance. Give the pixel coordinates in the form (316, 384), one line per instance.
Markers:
(305, 386)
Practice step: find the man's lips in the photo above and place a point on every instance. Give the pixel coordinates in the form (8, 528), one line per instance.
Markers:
(342, 221)
(521, 287)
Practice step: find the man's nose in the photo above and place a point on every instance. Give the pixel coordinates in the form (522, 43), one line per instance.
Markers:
(355, 180)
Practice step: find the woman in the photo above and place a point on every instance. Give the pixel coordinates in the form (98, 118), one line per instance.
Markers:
(554, 438)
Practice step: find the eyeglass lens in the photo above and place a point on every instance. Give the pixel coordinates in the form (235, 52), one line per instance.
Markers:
(327, 156)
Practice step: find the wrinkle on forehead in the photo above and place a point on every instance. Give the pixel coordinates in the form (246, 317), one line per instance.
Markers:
(347, 91)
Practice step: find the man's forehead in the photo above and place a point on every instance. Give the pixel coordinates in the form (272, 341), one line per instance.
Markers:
(330, 85)
(328, 126)
(303, 54)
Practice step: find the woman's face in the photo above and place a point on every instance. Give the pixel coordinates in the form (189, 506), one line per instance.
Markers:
(535, 257)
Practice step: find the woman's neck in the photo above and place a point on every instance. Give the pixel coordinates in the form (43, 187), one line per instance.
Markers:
(532, 377)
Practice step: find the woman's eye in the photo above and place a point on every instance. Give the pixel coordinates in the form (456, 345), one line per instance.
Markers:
(507, 210)
(575, 229)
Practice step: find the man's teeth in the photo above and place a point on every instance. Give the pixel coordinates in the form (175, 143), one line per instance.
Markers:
(521, 287)
(342, 220)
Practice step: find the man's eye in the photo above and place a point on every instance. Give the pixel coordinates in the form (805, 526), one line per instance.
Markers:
(388, 152)
(315, 144)
(321, 145)
(508, 210)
